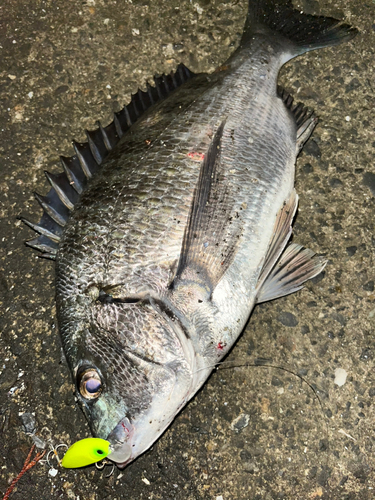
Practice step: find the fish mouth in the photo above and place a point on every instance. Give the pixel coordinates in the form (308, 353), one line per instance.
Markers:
(121, 455)
(120, 440)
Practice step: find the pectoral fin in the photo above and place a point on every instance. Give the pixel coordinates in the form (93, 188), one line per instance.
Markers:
(211, 236)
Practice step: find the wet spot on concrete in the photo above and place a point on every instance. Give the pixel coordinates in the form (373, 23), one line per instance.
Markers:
(8, 379)
(61, 90)
(287, 319)
(335, 183)
(305, 329)
(369, 181)
(369, 286)
(339, 318)
(276, 381)
(307, 169)
(351, 250)
(318, 278)
(312, 149)
(353, 85)
(324, 475)
(329, 413)
(312, 472)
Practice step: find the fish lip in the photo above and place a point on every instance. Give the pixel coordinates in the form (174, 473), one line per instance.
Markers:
(121, 465)
(120, 439)
(118, 453)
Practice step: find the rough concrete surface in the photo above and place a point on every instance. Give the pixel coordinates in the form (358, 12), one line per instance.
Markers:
(253, 432)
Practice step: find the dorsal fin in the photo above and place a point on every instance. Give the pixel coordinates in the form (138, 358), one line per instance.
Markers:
(68, 185)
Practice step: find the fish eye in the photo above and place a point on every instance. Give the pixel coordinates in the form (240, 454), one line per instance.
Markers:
(89, 383)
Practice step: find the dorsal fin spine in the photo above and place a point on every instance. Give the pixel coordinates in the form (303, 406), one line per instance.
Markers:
(127, 116)
(158, 82)
(96, 145)
(64, 191)
(142, 95)
(78, 169)
(105, 131)
(76, 182)
(117, 125)
(137, 105)
(149, 92)
(50, 210)
(42, 230)
(43, 244)
(86, 159)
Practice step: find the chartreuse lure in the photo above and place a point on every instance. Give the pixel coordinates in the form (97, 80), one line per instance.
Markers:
(85, 452)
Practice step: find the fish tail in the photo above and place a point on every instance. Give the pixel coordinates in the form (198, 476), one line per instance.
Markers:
(303, 31)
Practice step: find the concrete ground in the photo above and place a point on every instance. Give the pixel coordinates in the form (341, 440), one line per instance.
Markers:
(289, 431)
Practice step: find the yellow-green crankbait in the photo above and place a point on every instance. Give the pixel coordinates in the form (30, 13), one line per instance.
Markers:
(85, 452)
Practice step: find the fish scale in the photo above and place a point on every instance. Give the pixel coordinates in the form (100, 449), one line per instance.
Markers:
(173, 221)
(138, 209)
(158, 186)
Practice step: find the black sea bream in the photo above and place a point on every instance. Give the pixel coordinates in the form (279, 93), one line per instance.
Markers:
(171, 223)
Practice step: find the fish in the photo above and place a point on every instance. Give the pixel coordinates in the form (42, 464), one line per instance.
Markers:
(171, 223)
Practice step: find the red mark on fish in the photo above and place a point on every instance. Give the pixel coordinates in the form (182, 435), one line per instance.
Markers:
(221, 345)
(193, 155)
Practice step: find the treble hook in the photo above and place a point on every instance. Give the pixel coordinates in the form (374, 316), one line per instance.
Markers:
(100, 466)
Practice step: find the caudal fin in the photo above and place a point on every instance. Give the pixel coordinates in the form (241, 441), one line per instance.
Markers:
(304, 31)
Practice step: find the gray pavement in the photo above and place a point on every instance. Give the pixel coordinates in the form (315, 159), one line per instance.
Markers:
(255, 432)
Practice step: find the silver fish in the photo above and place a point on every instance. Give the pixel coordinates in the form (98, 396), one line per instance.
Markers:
(172, 222)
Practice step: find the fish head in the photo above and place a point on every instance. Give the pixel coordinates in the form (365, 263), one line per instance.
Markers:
(132, 371)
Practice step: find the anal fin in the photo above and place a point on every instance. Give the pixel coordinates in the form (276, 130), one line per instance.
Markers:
(282, 231)
(286, 268)
(296, 265)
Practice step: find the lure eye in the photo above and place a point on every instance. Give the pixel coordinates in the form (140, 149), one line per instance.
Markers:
(89, 384)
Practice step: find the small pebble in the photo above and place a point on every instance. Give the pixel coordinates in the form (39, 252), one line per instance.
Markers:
(53, 472)
(340, 376)
(29, 422)
(240, 422)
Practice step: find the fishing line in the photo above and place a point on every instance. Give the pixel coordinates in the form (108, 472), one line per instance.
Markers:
(257, 363)
(264, 363)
